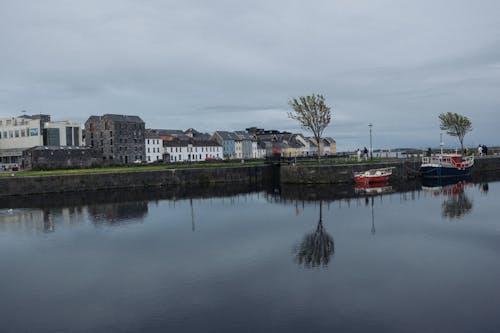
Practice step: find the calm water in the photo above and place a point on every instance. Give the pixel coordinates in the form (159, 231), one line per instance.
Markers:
(301, 260)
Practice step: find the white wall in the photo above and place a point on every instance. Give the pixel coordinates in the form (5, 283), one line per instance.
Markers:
(190, 153)
(154, 150)
(19, 133)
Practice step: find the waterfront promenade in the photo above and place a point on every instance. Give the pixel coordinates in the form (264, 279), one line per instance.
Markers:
(286, 173)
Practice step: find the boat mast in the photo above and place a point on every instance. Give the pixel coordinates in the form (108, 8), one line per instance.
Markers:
(441, 144)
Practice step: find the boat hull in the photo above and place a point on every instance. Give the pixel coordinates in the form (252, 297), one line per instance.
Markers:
(443, 172)
(370, 180)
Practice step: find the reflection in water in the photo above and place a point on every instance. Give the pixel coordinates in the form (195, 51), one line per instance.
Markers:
(376, 188)
(455, 204)
(317, 247)
(118, 213)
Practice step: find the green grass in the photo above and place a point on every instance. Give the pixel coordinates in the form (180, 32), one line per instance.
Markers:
(139, 168)
(342, 161)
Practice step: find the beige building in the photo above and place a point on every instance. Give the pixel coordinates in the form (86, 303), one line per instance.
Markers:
(20, 133)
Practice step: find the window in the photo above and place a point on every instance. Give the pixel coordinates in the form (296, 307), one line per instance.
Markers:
(23, 133)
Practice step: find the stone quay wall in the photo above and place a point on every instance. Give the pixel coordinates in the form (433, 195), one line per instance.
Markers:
(403, 169)
(10, 186)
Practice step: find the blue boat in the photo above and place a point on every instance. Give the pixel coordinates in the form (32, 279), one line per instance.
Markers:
(446, 165)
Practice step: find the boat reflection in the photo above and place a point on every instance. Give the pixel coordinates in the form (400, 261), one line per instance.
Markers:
(317, 247)
(455, 203)
(373, 189)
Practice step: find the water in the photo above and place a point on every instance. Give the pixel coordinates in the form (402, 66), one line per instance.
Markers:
(388, 259)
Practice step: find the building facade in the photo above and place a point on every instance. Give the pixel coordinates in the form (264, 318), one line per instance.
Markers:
(119, 138)
(153, 146)
(20, 133)
(191, 150)
(231, 144)
(62, 157)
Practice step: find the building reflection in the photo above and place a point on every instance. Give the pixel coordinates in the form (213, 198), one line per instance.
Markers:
(316, 248)
(36, 221)
(118, 213)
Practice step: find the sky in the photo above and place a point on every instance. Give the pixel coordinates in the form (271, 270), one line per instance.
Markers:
(229, 65)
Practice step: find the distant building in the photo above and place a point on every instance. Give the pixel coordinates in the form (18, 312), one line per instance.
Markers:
(248, 145)
(20, 133)
(119, 138)
(332, 143)
(191, 150)
(60, 157)
(231, 144)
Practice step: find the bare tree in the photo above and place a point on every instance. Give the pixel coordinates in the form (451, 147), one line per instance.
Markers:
(455, 125)
(312, 114)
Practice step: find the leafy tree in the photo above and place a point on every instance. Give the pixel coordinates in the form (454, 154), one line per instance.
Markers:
(313, 115)
(455, 125)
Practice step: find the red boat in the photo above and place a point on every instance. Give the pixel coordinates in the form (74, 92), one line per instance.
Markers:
(373, 176)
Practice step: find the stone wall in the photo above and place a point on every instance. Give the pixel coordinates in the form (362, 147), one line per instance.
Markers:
(154, 179)
(403, 169)
(51, 158)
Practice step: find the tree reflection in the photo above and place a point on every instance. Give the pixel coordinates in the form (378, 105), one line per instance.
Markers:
(456, 206)
(317, 247)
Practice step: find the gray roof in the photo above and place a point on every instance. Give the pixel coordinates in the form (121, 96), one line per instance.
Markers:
(225, 135)
(122, 117)
(195, 143)
(167, 131)
(151, 134)
(245, 135)
(59, 148)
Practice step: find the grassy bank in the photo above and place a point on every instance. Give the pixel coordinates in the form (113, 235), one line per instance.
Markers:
(156, 167)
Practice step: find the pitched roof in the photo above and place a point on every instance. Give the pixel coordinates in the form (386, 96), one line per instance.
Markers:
(225, 135)
(167, 131)
(122, 117)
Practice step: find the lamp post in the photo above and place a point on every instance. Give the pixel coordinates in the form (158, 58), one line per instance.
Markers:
(370, 125)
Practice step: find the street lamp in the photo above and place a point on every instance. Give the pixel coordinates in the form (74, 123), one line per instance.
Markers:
(370, 125)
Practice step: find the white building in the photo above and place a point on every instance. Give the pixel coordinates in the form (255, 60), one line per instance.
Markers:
(20, 133)
(191, 151)
(154, 147)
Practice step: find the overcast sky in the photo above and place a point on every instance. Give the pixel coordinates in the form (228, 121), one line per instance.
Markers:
(235, 64)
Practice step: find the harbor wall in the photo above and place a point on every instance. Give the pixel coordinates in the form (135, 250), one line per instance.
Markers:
(11, 186)
(402, 169)
(272, 175)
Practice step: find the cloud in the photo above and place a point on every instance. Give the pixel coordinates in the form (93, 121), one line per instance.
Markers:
(396, 64)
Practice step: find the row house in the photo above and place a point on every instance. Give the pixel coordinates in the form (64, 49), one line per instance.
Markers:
(191, 150)
(119, 138)
(231, 143)
(153, 146)
(328, 146)
(248, 145)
